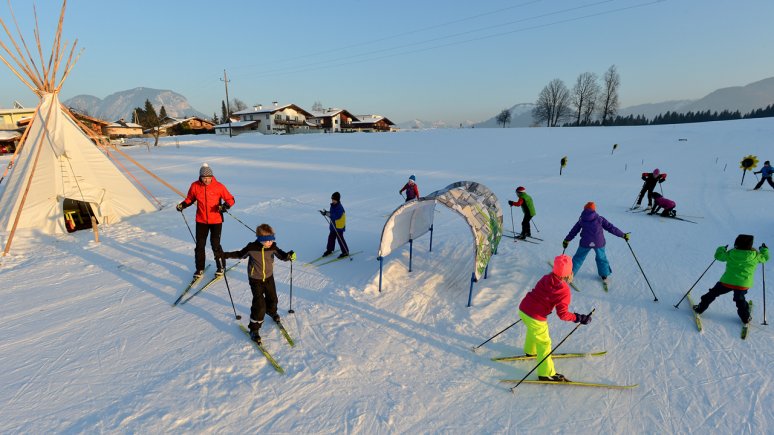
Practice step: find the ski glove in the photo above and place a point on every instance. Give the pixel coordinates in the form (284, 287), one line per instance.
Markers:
(583, 319)
(223, 207)
(180, 207)
(511, 203)
(627, 236)
(565, 243)
(324, 212)
(763, 245)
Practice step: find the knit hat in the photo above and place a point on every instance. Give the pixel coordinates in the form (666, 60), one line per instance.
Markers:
(205, 170)
(562, 266)
(413, 177)
(590, 206)
(520, 189)
(656, 195)
(336, 196)
(744, 241)
(656, 172)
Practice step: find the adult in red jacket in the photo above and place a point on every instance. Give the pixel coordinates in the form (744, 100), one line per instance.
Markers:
(207, 193)
(550, 292)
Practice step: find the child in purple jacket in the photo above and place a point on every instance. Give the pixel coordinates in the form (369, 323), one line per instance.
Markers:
(591, 226)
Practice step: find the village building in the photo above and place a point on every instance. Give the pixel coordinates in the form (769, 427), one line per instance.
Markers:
(332, 120)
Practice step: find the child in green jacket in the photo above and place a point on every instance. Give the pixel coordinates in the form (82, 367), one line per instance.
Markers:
(741, 263)
(528, 207)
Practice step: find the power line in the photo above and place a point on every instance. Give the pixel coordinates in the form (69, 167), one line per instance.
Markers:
(398, 35)
(368, 57)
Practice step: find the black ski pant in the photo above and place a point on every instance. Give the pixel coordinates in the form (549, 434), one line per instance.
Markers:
(334, 235)
(202, 230)
(742, 309)
(525, 228)
(760, 183)
(264, 301)
(648, 189)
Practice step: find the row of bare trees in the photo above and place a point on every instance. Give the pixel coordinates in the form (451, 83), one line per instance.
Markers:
(557, 104)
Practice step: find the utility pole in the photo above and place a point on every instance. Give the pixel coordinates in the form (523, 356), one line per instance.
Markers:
(228, 106)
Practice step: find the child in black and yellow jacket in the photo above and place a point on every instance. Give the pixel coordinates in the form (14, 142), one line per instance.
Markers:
(260, 273)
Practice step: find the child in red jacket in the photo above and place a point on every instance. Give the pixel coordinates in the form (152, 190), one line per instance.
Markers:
(412, 191)
(550, 292)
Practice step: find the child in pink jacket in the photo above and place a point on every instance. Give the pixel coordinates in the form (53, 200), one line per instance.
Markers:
(550, 292)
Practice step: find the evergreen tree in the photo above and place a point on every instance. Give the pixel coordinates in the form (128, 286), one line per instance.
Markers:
(163, 112)
(151, 117)
(223, 111)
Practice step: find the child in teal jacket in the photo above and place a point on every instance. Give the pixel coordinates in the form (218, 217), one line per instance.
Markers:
(741, 263)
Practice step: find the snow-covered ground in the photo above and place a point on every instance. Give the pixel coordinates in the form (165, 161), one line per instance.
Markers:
(90, 342)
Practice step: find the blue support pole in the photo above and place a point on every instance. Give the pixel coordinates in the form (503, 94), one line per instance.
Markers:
(472, 280)
(411, 252)
(431, 238)
(381, 262)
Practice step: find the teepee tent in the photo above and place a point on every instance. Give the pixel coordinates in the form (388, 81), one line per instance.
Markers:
(59, 174)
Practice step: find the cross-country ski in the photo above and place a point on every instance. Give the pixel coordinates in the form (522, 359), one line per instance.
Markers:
(555, 355)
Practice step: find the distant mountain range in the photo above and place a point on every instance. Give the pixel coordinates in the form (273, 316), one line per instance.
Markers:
(742, 98)
(121, 104)
(745, 99)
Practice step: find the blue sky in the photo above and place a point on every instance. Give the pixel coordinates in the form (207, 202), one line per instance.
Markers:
(431, 60)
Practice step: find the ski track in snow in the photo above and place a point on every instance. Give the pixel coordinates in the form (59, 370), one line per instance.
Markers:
(90, 342)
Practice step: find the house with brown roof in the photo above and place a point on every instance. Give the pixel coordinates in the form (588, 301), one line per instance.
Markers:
(373, 123)
(191, 125)
(333, 120)
(121, 129)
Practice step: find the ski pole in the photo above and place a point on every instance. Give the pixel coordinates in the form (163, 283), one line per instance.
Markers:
(223, 263)
(694, 284)
(512, 224)
(291, 288)
(655, 298)
(229, 213)
(490, 338)
(189, 227)
(635, 202)
(763, 274)
(535, 224)
(513, 389)
(338, 236)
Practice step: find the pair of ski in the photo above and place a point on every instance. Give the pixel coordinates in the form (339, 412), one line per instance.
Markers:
(196, 281)
(640, 210)
(678, 218)
(697, 317)
(317, 262)
(513, 235)
(568, 383)
(263, 350)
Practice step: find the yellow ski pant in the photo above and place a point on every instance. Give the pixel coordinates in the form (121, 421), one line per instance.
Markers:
(538, 342)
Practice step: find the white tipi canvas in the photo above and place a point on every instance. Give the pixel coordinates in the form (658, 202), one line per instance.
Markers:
(59, 161)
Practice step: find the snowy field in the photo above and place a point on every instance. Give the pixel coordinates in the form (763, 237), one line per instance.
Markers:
(89, 341)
